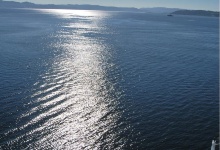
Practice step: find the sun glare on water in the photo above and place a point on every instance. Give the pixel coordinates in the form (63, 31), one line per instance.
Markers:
(79, 98)
(69, 13)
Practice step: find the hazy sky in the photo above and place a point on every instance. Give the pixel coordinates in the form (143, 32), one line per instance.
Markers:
(188, 4)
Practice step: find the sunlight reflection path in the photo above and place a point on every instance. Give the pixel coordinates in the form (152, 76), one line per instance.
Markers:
(78, 104)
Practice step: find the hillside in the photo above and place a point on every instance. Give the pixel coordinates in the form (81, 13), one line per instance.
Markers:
(196, 13)
(12, 4)
(159, 10)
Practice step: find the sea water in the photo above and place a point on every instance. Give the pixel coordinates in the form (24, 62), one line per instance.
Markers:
(86, 79)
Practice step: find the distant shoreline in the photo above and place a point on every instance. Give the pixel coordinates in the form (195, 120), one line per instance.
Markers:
(196, 13)
(159, 10)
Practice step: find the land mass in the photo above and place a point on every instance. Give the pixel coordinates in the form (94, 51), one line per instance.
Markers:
(12, 4)
(162, 10)
(196, 13)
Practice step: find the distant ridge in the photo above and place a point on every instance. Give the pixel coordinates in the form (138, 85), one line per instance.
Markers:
(196, 13)
(12, 4)
(162, 10)
(159, 10)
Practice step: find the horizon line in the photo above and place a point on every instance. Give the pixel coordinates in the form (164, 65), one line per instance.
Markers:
(110, 6)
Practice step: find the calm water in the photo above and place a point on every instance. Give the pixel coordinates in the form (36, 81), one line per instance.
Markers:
(75, 79)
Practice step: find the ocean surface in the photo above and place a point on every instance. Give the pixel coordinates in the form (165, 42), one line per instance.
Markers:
(83, 79)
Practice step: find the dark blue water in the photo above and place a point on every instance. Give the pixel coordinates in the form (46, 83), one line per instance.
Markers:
(75, 79)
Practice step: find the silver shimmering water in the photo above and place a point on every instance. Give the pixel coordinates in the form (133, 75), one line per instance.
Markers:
(80, 79)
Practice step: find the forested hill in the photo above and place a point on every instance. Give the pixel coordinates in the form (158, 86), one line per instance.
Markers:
(196, 13)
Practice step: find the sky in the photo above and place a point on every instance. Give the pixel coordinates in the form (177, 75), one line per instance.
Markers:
(187, 4)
